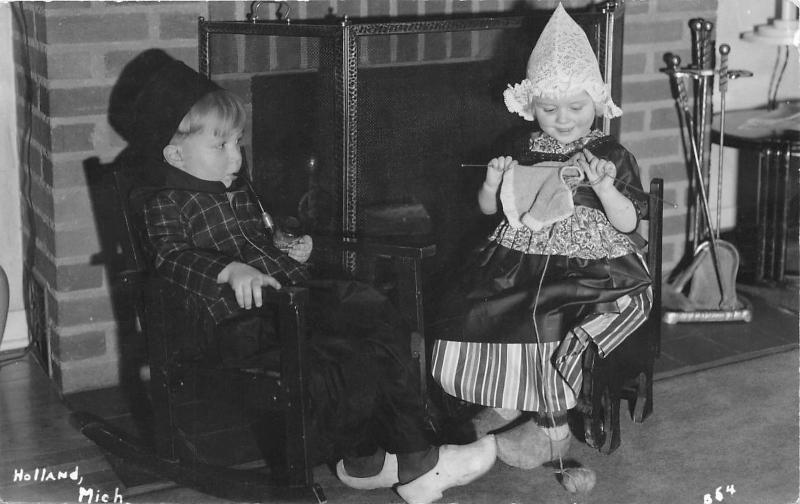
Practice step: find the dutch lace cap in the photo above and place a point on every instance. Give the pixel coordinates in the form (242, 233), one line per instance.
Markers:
(561, 64)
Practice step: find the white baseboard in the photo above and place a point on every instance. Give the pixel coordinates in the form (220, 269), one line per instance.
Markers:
(16, 333)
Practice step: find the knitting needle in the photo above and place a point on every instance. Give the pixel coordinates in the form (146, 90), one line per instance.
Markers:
(670, 203)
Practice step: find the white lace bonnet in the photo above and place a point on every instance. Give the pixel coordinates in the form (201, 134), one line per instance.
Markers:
(561, 64)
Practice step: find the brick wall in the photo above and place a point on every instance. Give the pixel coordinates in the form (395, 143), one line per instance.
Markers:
(68, 56)
(650, 123)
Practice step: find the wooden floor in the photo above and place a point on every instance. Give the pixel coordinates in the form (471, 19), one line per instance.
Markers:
(690, 347)
(40, 452)
(35, 433)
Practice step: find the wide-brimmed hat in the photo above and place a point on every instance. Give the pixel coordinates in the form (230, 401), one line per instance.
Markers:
(561, 64)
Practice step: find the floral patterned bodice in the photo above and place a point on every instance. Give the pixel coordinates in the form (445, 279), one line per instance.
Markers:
(586, 234)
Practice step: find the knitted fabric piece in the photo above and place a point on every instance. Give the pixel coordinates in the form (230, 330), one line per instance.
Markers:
(538, 191)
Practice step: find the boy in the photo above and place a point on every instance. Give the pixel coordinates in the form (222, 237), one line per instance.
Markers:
(206, 235)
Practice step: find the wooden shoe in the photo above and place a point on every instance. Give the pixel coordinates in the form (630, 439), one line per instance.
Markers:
(457, 465)
(387, 478)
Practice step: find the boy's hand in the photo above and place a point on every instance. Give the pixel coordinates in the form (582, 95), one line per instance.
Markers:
(497, 167)
(246, 282)
(600, 173)
(300, 249)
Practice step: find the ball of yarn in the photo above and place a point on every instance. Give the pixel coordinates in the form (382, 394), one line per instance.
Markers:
(578, 479)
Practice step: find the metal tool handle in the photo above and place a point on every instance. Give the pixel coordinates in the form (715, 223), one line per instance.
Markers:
(708, 45)
(724, 50)
(673, 64)
(696, 28)
(703, 99)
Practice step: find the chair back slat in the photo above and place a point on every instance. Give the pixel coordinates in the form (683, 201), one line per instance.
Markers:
(654, 256)
(132, 221)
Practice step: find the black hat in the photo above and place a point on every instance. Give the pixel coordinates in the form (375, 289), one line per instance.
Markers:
(136, 73)
(162, 102)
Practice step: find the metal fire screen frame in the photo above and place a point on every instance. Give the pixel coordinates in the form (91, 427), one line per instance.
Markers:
(343, 36)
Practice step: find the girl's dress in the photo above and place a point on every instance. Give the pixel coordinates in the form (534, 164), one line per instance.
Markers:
(512, 328)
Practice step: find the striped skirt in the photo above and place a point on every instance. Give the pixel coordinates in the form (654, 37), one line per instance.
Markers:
(541, 377)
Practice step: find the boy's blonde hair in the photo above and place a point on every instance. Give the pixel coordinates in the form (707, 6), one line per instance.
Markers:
(221, 110)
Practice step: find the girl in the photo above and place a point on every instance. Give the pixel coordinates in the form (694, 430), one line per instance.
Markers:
(561, 270)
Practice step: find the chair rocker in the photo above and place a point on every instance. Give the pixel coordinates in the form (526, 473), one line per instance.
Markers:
(182, 388)
(268, 397)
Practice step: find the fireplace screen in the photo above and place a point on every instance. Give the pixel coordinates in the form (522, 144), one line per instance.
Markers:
(359, 128)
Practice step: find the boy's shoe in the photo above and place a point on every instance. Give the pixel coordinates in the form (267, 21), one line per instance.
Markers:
(529, 445)
(457, 465)
(387, 478)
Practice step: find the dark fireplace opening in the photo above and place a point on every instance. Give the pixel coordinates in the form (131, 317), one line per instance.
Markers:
(416, 125)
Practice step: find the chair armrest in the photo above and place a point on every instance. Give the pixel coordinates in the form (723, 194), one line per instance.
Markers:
(286, 296)
(180, 329)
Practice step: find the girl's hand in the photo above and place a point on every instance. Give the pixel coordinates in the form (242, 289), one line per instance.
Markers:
(575, 159)
(246, 282)
(600, 173)
(497, 167)
(300, 249)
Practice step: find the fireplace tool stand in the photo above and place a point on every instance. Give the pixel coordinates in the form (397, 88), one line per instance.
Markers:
(705, 290)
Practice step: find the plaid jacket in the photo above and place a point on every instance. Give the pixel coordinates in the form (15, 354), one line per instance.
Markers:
(196, 228)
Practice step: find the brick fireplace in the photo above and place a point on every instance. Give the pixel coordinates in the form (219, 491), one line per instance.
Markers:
(68, 56)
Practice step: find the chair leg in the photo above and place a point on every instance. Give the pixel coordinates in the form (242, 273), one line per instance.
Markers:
(611, 402)
(299, 471)
(295, 461)
(606, 394)
(294, 370)
(593, 429)
(319, 493)
(643, 406)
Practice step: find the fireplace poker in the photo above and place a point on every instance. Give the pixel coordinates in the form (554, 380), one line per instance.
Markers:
(702, 59)
(724, 49)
